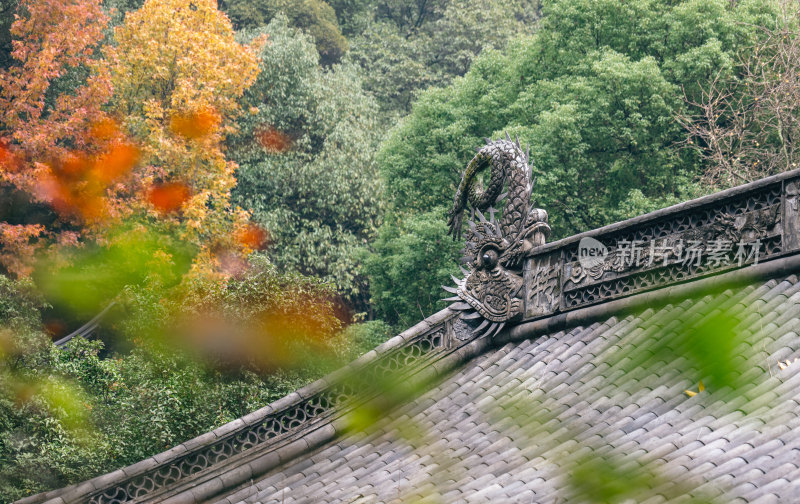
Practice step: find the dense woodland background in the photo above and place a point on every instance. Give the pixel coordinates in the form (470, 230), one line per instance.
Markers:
(262, 185)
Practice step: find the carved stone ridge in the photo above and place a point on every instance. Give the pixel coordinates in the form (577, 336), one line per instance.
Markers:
(508, 279)
(310, 406)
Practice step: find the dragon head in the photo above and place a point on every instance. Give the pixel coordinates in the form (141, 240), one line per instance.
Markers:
(491, 289)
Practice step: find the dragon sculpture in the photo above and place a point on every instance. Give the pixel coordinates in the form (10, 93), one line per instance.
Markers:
(495, 251)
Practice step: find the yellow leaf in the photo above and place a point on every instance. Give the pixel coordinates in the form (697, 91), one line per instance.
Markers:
(700, 388)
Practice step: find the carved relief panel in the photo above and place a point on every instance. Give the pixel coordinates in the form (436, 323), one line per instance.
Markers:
(732, 233)
(791, 213)
(542, 284)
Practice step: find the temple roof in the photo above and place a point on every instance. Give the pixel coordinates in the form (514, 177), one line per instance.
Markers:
(517, 423)
(616, 379)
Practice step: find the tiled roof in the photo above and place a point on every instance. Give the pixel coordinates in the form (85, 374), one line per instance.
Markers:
(520, 423)
(594, 393)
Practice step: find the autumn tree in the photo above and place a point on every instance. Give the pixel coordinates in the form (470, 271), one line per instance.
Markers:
(44, 132)
(177, 74)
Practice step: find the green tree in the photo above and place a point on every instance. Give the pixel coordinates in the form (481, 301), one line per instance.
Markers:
(745, 125)
(306, 156)
(42, 441)
(314, 17)
(358, 339)
(406, 46)
(595, 92)
(411, 259)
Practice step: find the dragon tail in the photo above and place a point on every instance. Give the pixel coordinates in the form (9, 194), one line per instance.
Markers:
(467, 185)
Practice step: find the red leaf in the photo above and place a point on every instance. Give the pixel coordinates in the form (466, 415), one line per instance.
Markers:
(168, 197)
(273, 140)
(194, 124)
(253, 237)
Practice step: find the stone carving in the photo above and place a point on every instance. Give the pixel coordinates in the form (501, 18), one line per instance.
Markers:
(461, 331)
(731, 233)
(495, 250)
(792, 215)
(541, 277)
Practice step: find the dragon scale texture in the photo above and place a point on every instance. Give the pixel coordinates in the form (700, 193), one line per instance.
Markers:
(508, 164)
(494, 251)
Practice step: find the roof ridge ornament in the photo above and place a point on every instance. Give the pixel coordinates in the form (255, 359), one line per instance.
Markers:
(494, 251)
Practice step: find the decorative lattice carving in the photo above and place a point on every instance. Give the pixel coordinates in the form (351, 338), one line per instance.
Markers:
(684, 245)
(410, 354)
(688, 220)
(275, 426)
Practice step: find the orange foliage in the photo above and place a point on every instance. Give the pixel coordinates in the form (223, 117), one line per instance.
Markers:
(177, 73)
(76, 184)
(195, 125)
(252, 237)
(167, 198)
(273, 140)
(9, 161)
(18, 245)
(104, 129)
(51, 37)
(116, 162)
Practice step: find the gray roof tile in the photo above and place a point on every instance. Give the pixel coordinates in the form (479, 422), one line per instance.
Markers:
(568, 397)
